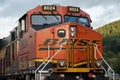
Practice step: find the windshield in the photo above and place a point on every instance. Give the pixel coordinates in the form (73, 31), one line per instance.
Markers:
(81, 20)
(41, 21)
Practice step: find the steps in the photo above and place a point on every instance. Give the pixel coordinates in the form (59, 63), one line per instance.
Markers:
(39, 72)
(109, 72)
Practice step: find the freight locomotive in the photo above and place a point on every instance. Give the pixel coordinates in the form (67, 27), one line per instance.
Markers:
(52, 42)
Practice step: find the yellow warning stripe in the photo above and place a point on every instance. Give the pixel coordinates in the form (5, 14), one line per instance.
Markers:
(42, 60)
(73, 70)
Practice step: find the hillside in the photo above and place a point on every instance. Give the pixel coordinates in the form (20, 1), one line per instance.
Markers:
(111, 44)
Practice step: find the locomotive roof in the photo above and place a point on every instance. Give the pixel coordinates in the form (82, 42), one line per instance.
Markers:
(5, 41)
(59, 9)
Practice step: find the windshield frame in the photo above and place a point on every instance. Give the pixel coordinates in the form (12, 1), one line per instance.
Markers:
(87, 25)
(44, 16)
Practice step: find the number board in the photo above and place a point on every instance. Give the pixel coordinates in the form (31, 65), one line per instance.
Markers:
(73, 9)
(49, 8)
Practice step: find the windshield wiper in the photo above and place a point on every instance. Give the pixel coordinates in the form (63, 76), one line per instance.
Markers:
(55, 15)
(77, 19)
(68, 17)
(43, 15)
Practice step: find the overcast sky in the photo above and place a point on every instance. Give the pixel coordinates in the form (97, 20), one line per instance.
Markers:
(101, 11)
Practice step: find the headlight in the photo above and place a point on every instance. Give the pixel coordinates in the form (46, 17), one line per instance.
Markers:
(61, 63)
(98, 63)
(72, 34)
(73, 31)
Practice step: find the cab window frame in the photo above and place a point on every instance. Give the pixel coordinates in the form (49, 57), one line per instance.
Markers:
(44, 16)
(79, 17)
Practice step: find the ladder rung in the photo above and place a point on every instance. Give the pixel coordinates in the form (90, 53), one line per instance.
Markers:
(44, 72)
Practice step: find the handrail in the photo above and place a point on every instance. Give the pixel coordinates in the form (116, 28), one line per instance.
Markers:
(109, 68)
(51, 59)
(43, 62)
(48, 59)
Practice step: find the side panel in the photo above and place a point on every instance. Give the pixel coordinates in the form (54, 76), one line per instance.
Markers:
(27, 49)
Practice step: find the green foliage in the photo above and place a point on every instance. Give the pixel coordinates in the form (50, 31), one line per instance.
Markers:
(111, 29)
(111, 44)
